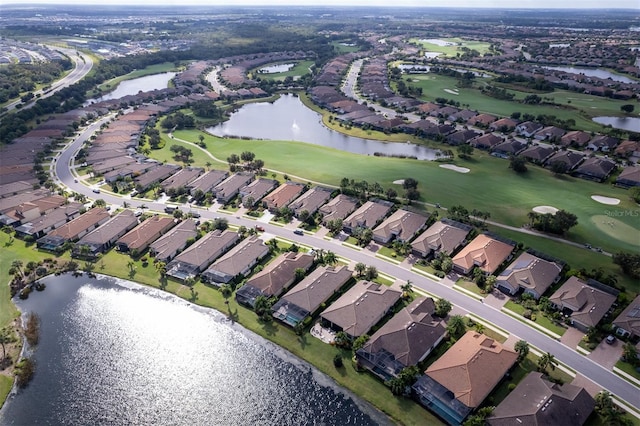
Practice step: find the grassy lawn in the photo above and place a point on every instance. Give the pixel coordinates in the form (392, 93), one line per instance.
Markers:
(577, 106)
(6, 383)
(628, 368)
(541, 320)
(453, 49)
(470, 286)
(391, 253)
(512, 195)
(343, 47)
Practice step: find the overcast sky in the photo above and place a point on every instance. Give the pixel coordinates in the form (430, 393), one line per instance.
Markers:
(527, 4)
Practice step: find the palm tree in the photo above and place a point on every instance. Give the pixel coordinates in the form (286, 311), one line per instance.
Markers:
(17, 266)
(443, 307)
(407, 289)
(161, 268)
(547, 360)
(479, 327)
(522, 347)
(456, 326)
(226, 293)
(330, 258)
(360, 268)
(131, 265)
(5, 337)
(208, 164)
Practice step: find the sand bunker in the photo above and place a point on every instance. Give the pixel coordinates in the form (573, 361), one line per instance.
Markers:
(453, 92)
(455, 168)
(399, 181)
(545, 209)
(605, 200)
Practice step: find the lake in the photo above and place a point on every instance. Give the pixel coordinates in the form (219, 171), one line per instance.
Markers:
(594, 72)
(140, 84)
(289, 119)
(631, 124)
(114, 352)
(272, 69)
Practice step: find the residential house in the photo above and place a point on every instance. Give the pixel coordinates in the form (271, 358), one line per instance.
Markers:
(576, 139)
(461, 137)
(253, 192)
(368, 215)
(54, 219)
(503, 125)
(483, 252)
(537, 401)
(207, 181)
(401, 226)
(338, 208)
(404, 341)
(629, 177)
(570, 158)
(508, 148)
(226, 190)
(139, 238)
(595, 168)
(530, 274)
(460, 380)
(482, 120)
(181, 179)
(603, 143)
(237, 262)
(311, 200)
(74, 229)
(283, 195)
(537, 154)
(306, 297)
(627, 324)
(274, 278)
(628, 149)
(154, 175)
(33, 210)
(201, 254)
(170, 244)
(104, 237)
(486, 141)
(528, 128)
(444, 236)
(361, 307)
(550, 133)
(584, 303)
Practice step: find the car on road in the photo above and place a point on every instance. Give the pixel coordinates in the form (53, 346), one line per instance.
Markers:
(259, 228)
(75, 180)
(96, 190)
(298, 232)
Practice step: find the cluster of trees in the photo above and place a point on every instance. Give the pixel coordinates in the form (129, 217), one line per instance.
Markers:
(461, 214)
(539, 84)
(206, 109)
(629, 263)
(246, 161)
(178, 121)
(363, 189)
(153, 137)
(558, 223)
(497, 92)
(16, 79)
(182, 153)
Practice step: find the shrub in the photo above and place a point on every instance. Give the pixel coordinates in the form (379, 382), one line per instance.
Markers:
(527, 313)
(337, 361)
(511, 386)
(24, 371)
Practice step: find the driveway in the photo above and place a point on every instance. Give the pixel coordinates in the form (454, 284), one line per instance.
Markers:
(607, 355)
(572, 337)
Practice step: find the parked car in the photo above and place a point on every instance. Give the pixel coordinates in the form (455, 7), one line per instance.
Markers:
(611, 339)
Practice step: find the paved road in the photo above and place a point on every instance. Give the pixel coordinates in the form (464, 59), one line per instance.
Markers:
(83, 64)
(583, 365)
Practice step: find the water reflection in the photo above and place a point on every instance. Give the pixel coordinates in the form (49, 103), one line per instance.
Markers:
(141, 84)
(289, 119)
(117, 355)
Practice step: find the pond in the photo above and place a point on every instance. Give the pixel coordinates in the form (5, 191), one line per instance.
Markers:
(631, 124)
(289, 119)
(594, 72)
(114, 352)
(272, 69)
(140, 84)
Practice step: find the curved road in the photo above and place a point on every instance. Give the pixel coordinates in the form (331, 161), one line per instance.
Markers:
(83, 64)
(581, 364)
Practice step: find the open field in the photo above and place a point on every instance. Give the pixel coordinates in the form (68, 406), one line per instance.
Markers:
(342, 48)
(579, 107)
(453, 45)
(512, 196)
